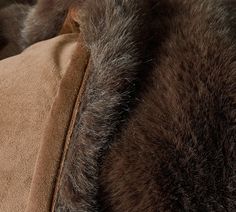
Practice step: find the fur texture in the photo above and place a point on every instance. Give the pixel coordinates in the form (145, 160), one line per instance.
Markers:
(114, 66)
(175, 151)
(156, 128)
(29, 23)
(44, 21)
(11, 23)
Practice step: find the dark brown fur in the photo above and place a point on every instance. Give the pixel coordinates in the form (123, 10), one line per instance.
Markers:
(176, 149)
(11, 23)
(25, 24)
(106, 95)
(44, 21)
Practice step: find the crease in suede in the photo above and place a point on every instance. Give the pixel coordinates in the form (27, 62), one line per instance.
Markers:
(48, 163)
(70, 133)
(29, 86)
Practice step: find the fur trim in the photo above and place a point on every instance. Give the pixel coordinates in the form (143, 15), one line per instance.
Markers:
(117, 56)
(176, 149)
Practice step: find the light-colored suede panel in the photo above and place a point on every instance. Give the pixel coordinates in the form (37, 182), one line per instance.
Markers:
(58, 128)
(29, 84)
(82, 85)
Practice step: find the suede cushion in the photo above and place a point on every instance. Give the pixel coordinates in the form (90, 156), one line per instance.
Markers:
(36, 87)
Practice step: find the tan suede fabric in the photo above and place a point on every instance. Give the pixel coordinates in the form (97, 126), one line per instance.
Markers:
(30, 86)
(58, 130)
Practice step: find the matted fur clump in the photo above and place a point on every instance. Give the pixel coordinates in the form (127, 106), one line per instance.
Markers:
(156, 129)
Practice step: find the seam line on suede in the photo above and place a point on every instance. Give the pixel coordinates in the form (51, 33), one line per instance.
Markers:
(77, 104)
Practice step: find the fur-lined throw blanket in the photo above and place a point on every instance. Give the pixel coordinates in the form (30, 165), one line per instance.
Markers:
(142, 112)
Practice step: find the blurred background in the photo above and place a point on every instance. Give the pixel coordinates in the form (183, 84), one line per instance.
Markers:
(4, 3)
